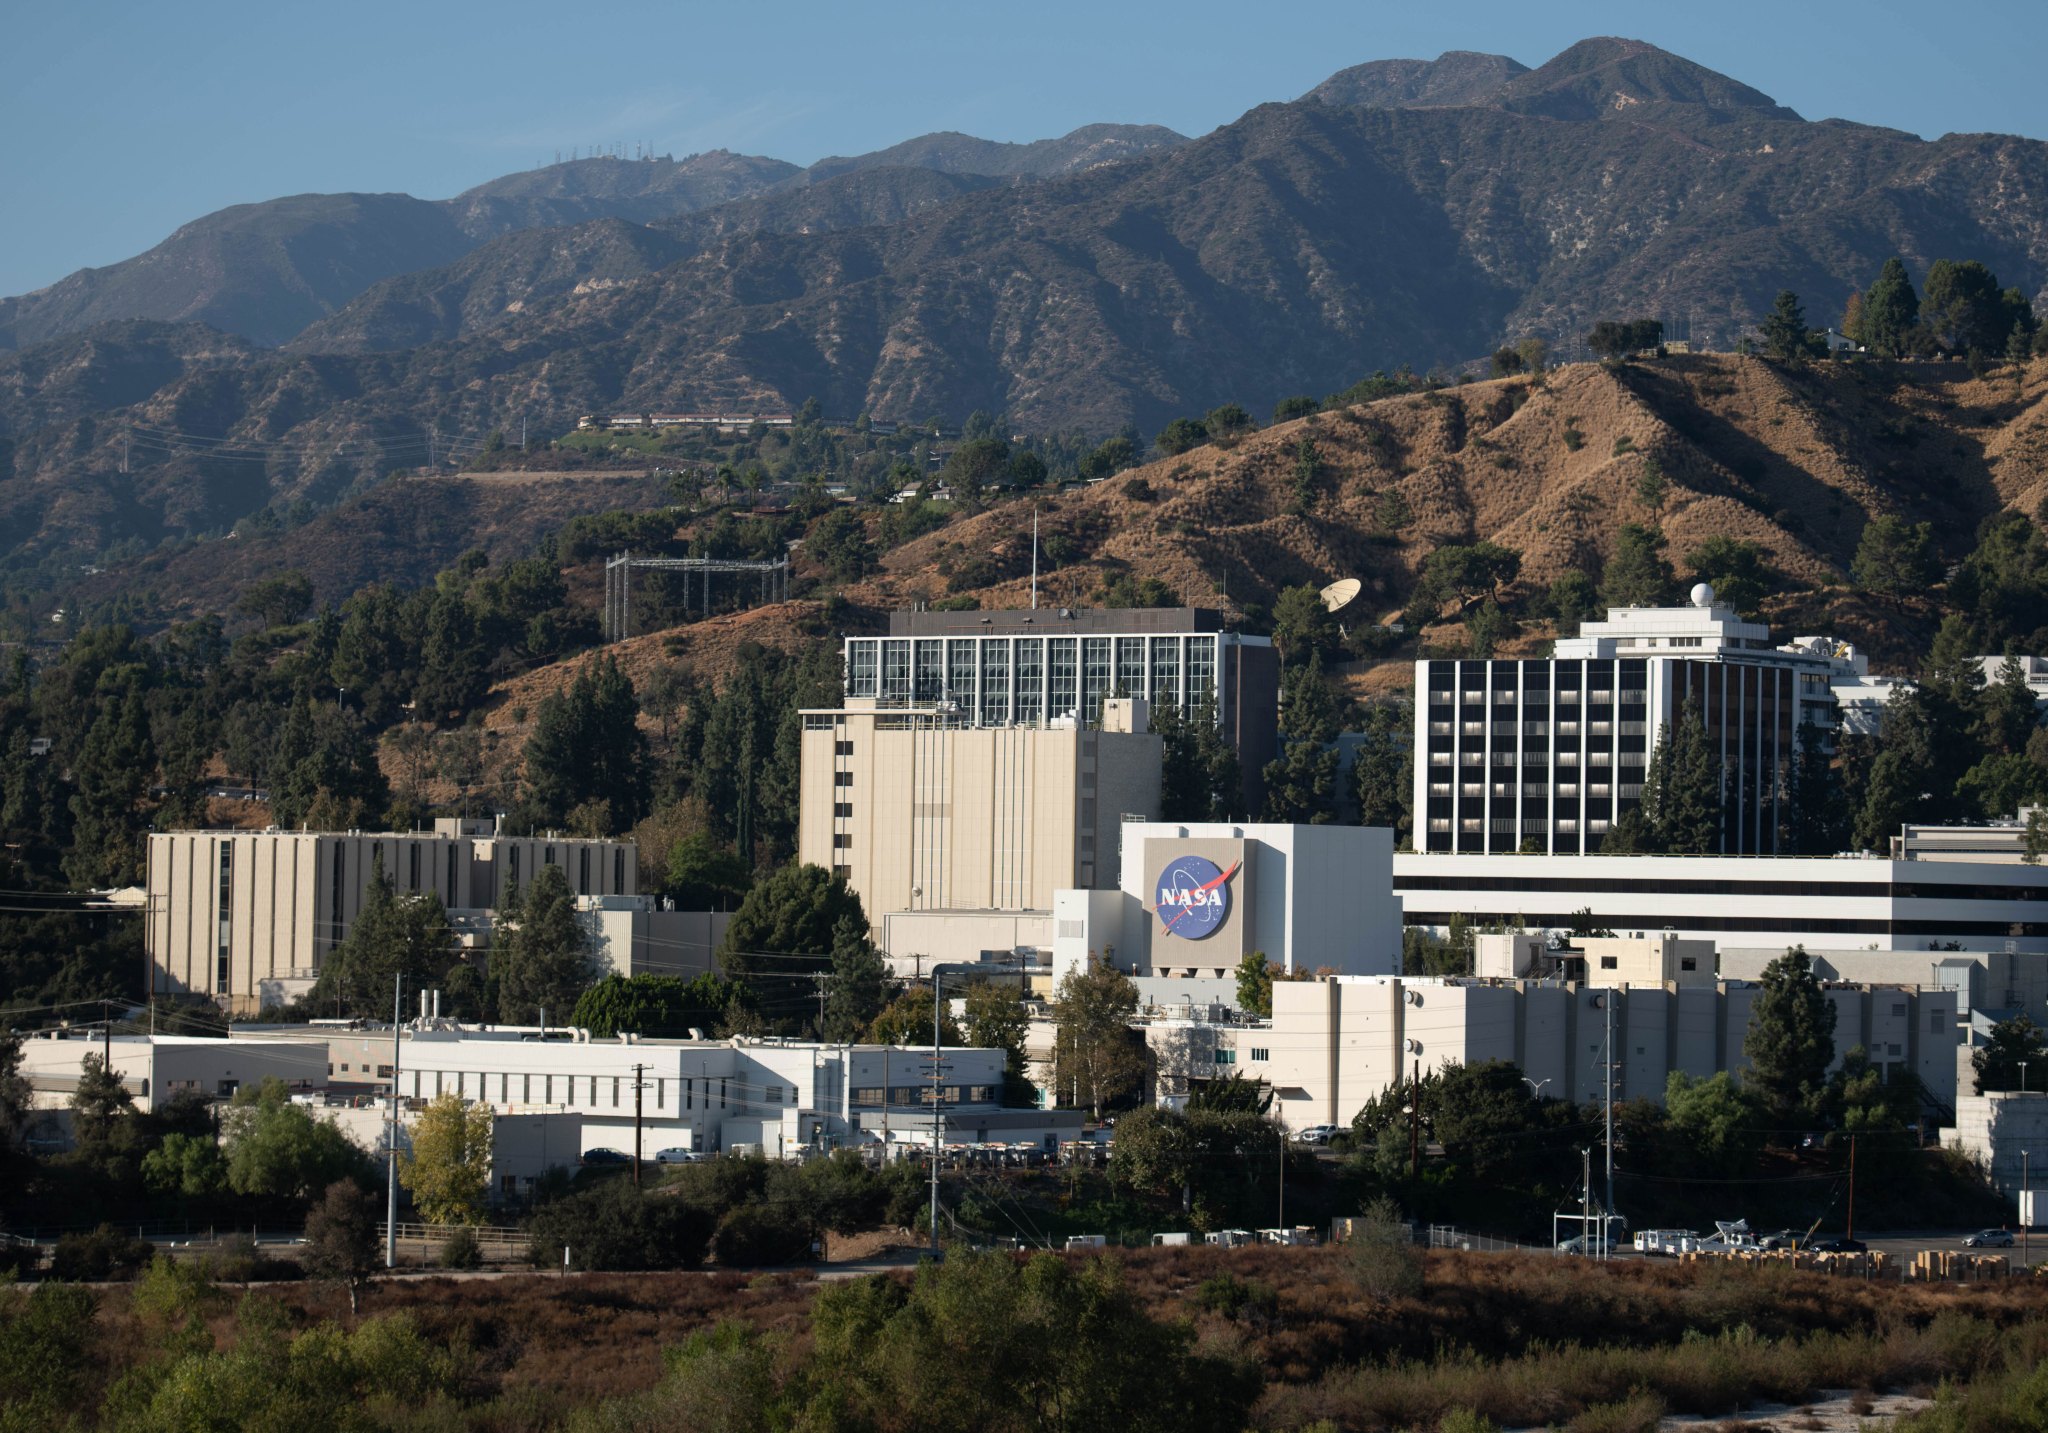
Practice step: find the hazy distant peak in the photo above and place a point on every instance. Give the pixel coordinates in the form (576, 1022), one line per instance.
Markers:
(954, 153)
(1454, 78)
(1608, 75)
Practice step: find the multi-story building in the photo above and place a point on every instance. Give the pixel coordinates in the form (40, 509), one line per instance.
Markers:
(1837, 902)
(925, 812)
(1032, 667)
(1545, 755)
(247, 917)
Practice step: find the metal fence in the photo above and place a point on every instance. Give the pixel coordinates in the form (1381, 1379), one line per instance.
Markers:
(1449, 1236)
(497, 1241)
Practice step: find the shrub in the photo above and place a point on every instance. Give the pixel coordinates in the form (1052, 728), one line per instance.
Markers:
(104, 1254)
(615, 1226)
(460, 1250)
(752, 1234)
(1384, 1258)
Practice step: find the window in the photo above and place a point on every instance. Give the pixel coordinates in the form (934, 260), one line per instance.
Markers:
(1030, 680)
(1688, 962)
(862, 660)
(842, 748)
(413, 865)
(841, 841)
(868, 1096)
(1934, 1022)
(1899, 1009)
(775, 1094)
(583, 871)
(841, 810)
(1609, 962)
(449, 899)
(842, 778)
(224, 912)
(619, 871)
(1260, 1055)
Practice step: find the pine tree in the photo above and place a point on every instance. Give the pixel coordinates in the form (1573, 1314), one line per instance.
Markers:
(1637, 574)
(543, 961)
(587, 748)
(112, 775)
(1784, 329)
(391, 936)
(452, 674)
(1791, 1039)
(1889, 312)
(1308, 476)
(1301, 786)
(1817, 816)
(859, 987)
(1689, 797)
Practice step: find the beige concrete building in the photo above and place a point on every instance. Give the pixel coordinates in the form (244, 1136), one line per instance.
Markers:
(1332, 1045)
(247, 917)
(2007, 1133)
(923, 813)
(155, 1068)
(1659, 959)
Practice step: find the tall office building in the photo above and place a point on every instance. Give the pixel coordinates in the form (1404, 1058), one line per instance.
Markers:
(1046, 665)
(1545, 755)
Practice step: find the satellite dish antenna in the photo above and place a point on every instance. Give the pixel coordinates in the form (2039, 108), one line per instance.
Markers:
(1341, 594)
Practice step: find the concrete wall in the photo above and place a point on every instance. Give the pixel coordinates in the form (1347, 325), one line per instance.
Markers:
(914, 939)
(2007, 1133)
(924, 816)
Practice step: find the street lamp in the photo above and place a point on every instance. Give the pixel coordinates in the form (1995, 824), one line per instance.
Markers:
(2023, 1077)
(1535, 1087)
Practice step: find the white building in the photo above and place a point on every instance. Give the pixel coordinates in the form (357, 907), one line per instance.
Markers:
(2008, 1132)
(156, 1068)
(1195, 898)
(1334, 1044)
(1834, 903)
(775, 1096)
(1545, 755)
(1860, 697)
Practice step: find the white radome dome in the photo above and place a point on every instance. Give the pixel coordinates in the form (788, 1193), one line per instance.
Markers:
(1702, 595)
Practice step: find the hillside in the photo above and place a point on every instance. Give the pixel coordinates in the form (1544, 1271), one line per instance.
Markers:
(265, 271)
(1795, 462)
(1286, 253)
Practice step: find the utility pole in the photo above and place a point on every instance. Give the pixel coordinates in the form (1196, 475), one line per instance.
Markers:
(1280, 1218)
(937, 1117)
(107, 1035)
(1605, 1222)
(391, 1144)
(1852, 1188)
(2026, 1261)
(639, 1098)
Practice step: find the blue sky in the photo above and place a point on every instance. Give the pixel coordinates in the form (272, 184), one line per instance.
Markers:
(125, 120)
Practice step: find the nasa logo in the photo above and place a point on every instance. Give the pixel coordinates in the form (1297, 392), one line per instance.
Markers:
(1192, 897)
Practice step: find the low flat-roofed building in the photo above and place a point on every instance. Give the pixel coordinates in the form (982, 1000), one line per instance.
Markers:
(1818, 902)
(1332, 1045)
(156, 1068)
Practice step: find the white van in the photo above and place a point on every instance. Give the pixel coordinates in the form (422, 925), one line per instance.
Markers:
(1086, 1241)
(1169, 1240)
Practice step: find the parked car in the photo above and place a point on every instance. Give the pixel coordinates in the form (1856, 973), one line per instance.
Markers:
(1579, 1244)
(605, 1157)
(1838, 1246)
(1989, 1239)
(677, 1156)
(1319, 1134)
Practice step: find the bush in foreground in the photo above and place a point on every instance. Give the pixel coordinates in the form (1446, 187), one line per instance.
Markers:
(616, 1226)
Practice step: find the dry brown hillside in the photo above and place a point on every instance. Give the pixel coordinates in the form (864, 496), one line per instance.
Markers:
(1794, 460)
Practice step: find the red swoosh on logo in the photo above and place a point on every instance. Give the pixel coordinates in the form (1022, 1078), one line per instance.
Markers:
(1205, 886)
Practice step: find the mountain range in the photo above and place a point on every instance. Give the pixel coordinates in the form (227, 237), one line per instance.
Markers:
(1416, 212)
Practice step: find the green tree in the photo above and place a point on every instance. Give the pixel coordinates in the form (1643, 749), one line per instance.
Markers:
(1682, 788)
(859, 986)
(391, 936)
(1466, 573)
(1894, 557)
(1889, 312)
(279, 600)
(100, 1108)
(658, 1006)
(1255, 984)
(447, 1168)
(1817, 813)
(1097, 1059)
(1613, 339)
(1486, 627)
(1573, 599)
(994, 1018)
(190, 1166)
(1783, 330)
(1300, 406)
(1180, 435)
(839, 540)
(1301, 786)
(1791, 1040)
(278, 1150)
(453, 675)
(1735, 569)
(1653, 489)
(15, 1092)
(1964, 309)
(111, 776)
(1308, 476)
(1383, 769)
(1303, 626)
(1997, 1061)
(587, 747)
(702, 875)
(615, 1226)
(1718, 1123)
(1111, 457)
(1228, 421)
(797, 911)
(1637, 574)
(341, 1239)
(907, 1020)
(1052, 1344)
(540, 952)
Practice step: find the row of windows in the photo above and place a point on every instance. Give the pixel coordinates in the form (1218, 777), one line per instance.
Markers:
(910, 1096)
(1834, 924)
(998, 681)
(592, 1091)
(1636, 885)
